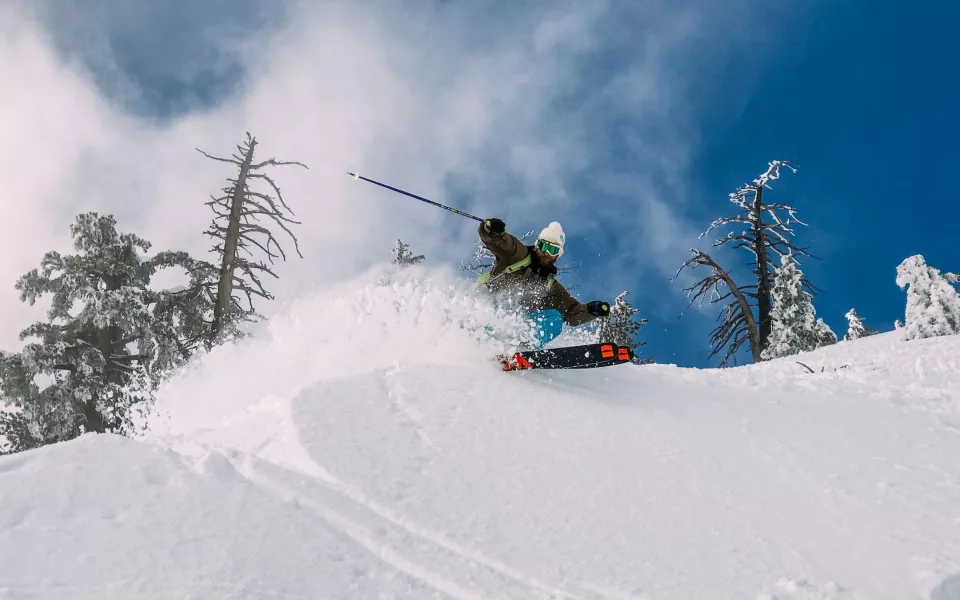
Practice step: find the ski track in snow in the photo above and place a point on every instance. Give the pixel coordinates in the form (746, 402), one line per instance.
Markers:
(426, 472)
(376, 536)
(835, 499)
(328, 490)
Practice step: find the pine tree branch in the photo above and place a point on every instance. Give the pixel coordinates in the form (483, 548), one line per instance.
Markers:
(235, 160)
(277, 163)
(725, 221)
(272, 212)
(246, 229)
(245, 239)
(274, 185)
(127, 357)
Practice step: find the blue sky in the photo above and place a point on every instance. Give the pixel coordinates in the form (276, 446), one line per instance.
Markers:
(629, 123)
(860, 97)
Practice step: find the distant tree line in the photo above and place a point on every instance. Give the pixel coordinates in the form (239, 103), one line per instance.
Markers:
(109, 338)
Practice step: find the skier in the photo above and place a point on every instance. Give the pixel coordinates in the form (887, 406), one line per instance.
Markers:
(528, 274)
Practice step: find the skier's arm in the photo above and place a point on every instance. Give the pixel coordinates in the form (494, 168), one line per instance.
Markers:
(574, 312)
(504, 246)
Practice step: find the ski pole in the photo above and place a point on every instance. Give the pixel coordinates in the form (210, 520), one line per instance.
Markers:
(453, 210)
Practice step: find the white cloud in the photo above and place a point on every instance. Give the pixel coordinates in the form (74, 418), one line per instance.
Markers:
(509, 103)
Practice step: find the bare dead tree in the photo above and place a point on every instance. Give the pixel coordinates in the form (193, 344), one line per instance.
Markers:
(737, 324)
(766, 235)
(766, 239)
(238, 232)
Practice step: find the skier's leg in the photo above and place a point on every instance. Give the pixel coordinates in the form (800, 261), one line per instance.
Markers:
(547, 325)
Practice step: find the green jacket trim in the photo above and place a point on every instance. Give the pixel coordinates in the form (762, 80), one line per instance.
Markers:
(485, 278)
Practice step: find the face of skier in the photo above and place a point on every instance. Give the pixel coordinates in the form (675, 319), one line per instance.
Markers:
(547, 253)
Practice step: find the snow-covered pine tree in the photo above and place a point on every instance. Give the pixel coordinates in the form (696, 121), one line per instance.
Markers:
(34, 417)
(766, 233)
(107, 342)
(825, 336)
(856, 329)
(933, 305)
(235, 229)
(794, 325)
(403, 257)
(621, 328)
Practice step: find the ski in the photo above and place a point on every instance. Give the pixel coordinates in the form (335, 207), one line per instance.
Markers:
(588, 356)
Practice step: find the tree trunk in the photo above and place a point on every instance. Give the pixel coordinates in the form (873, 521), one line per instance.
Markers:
(764, 303)
(752, 330)
(231, 239)
(93, 420)
(106, 341)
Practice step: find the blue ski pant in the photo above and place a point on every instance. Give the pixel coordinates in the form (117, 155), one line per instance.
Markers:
(547, 325)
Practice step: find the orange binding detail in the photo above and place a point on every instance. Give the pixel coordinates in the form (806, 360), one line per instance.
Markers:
(522, 363)
(518, 363)
(606, 351)
(624, 353)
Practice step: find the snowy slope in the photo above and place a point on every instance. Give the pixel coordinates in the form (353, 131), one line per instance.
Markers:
(288, 467)
(107, 517)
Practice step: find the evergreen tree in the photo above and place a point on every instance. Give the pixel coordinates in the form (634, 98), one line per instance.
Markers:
(35, 417)
(107, 342)
(933, 305)
(620, 327)
(403, 257)
(794, 327)
(825, 336)
(856, 328)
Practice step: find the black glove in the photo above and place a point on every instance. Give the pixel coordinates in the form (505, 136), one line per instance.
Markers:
(598, 308)
(494, 226)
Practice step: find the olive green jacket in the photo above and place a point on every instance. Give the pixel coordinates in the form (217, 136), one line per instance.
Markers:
(516, 270)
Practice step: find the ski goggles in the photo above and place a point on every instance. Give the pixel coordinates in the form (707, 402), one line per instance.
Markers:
(548, 248)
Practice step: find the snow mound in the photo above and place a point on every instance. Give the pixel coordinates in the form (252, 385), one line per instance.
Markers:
(921, 373)
(367, 447)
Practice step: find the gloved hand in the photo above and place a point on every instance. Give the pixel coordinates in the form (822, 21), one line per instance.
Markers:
(494, 226)
(598, 308)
